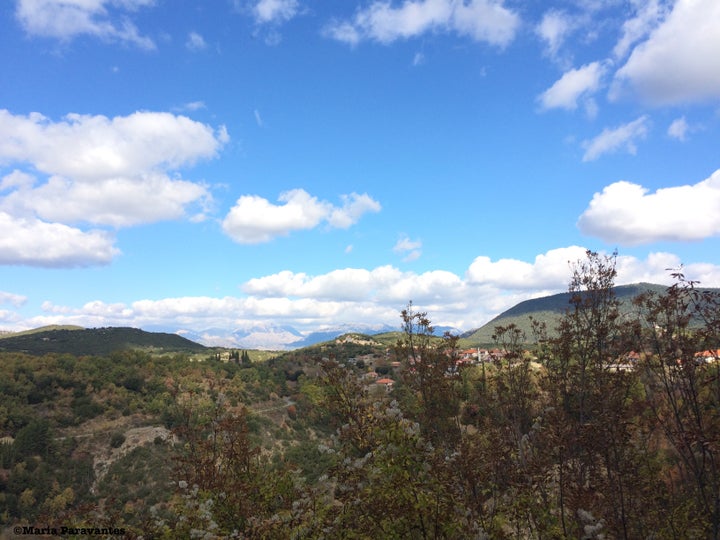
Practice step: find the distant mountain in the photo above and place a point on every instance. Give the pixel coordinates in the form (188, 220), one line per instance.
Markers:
(276, 337)
(95, 341)
(548, 309)
(264, 336)
(329, 334)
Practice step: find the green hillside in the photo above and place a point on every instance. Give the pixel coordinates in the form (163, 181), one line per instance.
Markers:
(547, 309)
(48, 328)
(95, 341)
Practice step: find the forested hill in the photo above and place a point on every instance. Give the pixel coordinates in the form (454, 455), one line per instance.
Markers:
(96, 341)
(548, 309)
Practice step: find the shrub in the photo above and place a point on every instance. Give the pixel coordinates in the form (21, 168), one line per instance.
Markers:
(116, 440)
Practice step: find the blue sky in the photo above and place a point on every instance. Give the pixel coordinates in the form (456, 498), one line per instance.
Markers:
(218, 165)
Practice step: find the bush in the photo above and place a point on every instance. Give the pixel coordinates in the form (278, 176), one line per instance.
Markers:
(116, 440)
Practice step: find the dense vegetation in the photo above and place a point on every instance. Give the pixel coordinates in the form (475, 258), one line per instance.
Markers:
(607, 427)
(95, 341)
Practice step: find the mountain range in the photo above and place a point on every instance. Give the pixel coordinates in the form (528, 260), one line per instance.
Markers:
(276, 337)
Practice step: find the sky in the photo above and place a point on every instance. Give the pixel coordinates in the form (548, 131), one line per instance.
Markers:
(195, 165)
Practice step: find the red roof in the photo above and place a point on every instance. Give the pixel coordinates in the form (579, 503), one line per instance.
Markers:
(385, 381)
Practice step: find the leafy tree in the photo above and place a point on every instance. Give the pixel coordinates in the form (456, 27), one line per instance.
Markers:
(429, 366)
(225, 485)
(683, 394)
(34, 440)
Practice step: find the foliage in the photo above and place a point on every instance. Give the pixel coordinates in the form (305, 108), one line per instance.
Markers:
(99, 341)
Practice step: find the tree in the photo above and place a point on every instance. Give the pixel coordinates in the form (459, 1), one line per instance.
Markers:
(224, 483)
(590, 426)
(683, 393)
(388, 480)
(429, 369)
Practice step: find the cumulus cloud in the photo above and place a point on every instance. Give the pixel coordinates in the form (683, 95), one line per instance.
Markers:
(100, 168)
(628, 214)
(37, 243)
(384, 285)
(102, 172)
(117, 202)
(621, 137)
(486, 21)
(254, 219)
(91, 147)
(679, 61)
(410, 249)
(108, 20)
(655, 269)
(344, 284)
(376, 295)
(548, 271)
(566, 91)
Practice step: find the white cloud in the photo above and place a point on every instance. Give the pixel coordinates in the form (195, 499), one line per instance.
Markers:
(621, 137)
(566, 91)
(549, 270)
(37, 243)
(678, 129)
(482, 20)
(554, 29)
(629, 214)
(384, 285)
(101, 168)
(343, 31)
(275, 11)
(17, 179)
(91, 147)
(679, 61)
(254, 219)
(485, 20)
(194, 106)
(117, 202)
(16, 300)
(352, 209)
(411, 249)
(95, 170)
(649, 13)
(657, 268)
(195, 42)
(345, 284)
(65, 19)
(347, 296)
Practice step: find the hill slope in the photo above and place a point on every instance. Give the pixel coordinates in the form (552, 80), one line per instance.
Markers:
(96, 341)
(547, 309)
